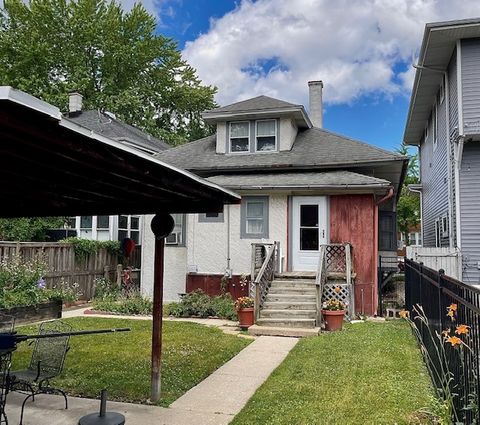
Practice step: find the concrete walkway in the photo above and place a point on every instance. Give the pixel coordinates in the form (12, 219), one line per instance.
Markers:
(215, 401)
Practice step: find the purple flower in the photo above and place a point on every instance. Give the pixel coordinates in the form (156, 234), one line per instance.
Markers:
(41, 284)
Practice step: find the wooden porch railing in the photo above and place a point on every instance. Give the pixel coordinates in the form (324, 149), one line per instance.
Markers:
(265, 255)
(335, 263)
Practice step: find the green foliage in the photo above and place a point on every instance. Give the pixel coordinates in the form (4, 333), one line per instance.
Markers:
(199, 304)
(125, 305)
(106, 290)
(68, 293)
(115, 59)
(369, 373)
(28, 229)
(408, 206)
(85, 247)
(121, 361)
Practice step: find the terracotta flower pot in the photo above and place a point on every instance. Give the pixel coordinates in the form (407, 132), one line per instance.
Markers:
(245, 317)
(333, 319)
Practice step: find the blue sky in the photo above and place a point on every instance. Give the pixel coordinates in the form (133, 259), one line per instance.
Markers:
(361, 49)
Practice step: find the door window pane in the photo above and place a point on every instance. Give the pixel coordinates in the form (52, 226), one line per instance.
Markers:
(309, 239)
(309, 215)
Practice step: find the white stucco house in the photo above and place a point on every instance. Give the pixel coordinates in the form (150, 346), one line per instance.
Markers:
(301, 186)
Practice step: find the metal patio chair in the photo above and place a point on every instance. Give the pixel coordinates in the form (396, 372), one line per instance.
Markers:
(47, 362)
(7, 325)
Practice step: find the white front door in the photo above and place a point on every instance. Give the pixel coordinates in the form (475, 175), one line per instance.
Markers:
(309, 231)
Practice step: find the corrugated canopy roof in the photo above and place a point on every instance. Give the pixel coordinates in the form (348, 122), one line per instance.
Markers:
(54, 167)
(438, 44)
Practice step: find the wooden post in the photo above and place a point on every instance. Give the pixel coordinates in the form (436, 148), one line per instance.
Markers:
(162, 225)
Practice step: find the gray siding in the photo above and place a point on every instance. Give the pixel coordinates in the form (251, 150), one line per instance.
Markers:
(471, 85)
(470, 211)
(434, 178)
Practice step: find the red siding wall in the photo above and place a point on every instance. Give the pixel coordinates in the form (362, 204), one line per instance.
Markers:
(352, 219)
(210, 284)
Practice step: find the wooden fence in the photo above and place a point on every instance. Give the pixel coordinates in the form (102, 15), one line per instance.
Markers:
(448, 259)
(64, 266)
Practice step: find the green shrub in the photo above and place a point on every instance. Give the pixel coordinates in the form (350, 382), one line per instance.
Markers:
(106, 290)
(199, 304)
(131, 305)
(85, 247)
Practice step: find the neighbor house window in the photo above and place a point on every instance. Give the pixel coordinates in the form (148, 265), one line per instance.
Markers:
(210, 218)
(86, 226)
(387, 240)
(239, 136)
(129, 227)
(177, 237)
(254, 217)
(103, 228)
(266, 135)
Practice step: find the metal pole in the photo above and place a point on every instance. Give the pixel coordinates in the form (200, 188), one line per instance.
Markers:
(162, 225)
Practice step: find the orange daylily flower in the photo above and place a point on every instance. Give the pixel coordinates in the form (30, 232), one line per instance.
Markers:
(404, 314)
(452, 307)
(462, 329)
(454, 340)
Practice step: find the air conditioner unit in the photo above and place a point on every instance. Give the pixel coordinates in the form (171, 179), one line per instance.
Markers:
(172, 239)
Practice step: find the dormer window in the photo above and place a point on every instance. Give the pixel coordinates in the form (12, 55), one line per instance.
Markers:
(240, 136)
(266, 135)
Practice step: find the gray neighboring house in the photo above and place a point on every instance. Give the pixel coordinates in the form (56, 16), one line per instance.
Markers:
(444, 122)
(104, 123)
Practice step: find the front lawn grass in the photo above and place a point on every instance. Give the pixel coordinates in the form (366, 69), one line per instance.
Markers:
(370, 373)
(121, 362)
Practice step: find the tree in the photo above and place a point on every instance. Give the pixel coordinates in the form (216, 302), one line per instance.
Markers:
(28, 229)
(408, 207)
(114, 58)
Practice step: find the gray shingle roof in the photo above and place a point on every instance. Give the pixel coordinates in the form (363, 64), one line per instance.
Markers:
(313, 148)
(104, 124)
(331, 179)
(255, 104)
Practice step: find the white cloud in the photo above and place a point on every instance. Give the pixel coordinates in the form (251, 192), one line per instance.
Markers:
(355, 47)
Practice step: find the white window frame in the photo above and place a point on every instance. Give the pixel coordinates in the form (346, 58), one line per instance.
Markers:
(230, 137)
(256, 136)
(435, 127)
(177, 238)
(444, 226)
(129, 229)
(438, 239)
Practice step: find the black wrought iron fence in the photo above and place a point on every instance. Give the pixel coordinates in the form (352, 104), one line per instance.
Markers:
(438, 295)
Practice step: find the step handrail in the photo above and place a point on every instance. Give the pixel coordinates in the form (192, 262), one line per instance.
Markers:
(319, 279)
(265, 276)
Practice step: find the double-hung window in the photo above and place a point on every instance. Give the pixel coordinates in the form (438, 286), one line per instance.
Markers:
(387, 234)
(129, 227)
(266, 135)
(254, 217)
(240, 137)
(177, 237)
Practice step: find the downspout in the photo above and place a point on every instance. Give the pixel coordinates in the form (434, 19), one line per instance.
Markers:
(459, 150)
(387, 197)
(228, 271)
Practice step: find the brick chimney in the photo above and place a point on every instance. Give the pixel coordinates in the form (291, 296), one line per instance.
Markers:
(75, 103)
(315, 89)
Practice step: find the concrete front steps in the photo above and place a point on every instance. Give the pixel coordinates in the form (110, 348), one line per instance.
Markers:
(290, 307)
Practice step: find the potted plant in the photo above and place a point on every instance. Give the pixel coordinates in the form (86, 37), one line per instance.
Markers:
(244, 307)
(333, 312)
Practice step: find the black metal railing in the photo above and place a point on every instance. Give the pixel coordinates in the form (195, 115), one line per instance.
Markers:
(436, 293)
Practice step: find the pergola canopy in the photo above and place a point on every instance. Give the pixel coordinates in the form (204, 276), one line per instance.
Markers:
(54, 167)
